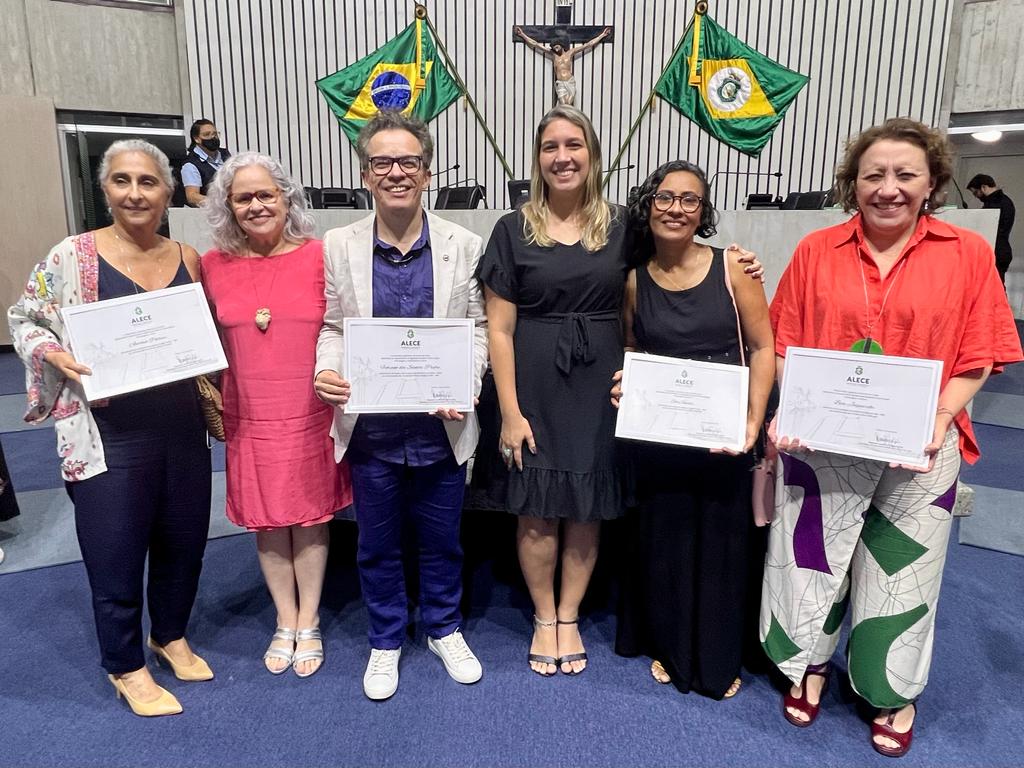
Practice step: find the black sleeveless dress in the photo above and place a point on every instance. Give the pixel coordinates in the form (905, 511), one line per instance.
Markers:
(685, 582)
(568, 345)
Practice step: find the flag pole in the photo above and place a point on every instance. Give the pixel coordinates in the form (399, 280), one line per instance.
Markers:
(421, 13)
(700, 10)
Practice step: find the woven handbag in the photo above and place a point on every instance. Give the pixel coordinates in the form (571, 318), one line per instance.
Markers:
(209, 404)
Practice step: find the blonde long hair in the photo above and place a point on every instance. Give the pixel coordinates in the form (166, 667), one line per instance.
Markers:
(596, 212)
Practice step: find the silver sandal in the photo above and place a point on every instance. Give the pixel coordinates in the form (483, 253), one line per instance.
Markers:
(281, 633)
(313, 633)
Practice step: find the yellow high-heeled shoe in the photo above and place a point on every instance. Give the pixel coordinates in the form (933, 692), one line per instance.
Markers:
(195, 672)
(165, 704)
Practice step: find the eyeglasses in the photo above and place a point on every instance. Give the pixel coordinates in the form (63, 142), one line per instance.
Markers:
(264, 196)
(664, 201)
(381, 165)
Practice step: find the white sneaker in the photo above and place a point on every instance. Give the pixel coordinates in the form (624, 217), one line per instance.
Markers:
(381, 678)
(460, 662)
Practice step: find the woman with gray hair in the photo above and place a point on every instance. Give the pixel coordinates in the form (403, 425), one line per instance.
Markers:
(137, 466)
(265, 283)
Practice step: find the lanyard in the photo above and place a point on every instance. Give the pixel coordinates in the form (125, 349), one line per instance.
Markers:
(868, 345)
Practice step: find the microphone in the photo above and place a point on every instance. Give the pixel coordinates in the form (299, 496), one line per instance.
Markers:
(618, 168)
(467, 182)
(449, 169)
(963, 203)
(776, 174)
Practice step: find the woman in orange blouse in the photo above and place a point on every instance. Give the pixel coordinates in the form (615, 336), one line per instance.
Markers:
(894, 280)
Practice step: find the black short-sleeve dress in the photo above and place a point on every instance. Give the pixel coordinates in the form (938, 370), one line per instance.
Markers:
(568, 344)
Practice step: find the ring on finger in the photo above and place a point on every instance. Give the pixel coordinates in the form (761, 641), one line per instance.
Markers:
(506, 452)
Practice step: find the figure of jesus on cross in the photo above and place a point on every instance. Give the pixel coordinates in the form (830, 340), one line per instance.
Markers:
(562, 54)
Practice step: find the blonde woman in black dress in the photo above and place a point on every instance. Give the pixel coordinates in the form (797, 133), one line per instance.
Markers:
(553, 275)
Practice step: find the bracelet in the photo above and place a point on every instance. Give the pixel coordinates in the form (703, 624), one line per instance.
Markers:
(945, 410)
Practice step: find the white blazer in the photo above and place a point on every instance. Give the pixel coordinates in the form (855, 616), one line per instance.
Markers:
(348, 278)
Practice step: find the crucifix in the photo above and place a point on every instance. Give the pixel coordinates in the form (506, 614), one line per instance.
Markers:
(562, 41)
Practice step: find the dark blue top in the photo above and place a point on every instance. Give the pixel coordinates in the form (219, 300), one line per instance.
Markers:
(403, 286)
(170, 408)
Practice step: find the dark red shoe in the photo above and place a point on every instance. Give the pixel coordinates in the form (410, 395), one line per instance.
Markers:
(885, 729)
(800, 703)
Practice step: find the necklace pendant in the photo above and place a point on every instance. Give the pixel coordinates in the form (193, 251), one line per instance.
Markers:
(263, 318)
(868, 346)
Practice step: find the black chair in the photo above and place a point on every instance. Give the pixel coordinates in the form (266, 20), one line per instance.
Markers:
(791, 201)
(811, 201)
(314, 199)
(459, 197)
(757, 200)
(518, 192)
(343, 197)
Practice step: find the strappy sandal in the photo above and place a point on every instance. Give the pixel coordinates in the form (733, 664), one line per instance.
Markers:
(800, 703)
(312, 654)
(285, 635)
(540, 658)
(887, 731)
(582, 656)
(659, 673)
(735, 688)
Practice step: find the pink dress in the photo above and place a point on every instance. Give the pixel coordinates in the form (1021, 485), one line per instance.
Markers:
(280, 456)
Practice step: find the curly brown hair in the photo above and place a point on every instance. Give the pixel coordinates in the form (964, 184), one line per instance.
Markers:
(934, 143)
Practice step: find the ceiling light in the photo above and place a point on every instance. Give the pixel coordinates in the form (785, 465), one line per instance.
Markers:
(987, 136)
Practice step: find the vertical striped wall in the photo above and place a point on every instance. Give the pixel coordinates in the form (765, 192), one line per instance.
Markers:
(253, 64)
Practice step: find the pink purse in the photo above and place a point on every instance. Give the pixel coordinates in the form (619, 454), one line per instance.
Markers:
(762, 495)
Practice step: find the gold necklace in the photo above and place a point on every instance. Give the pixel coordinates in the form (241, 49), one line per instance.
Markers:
(127, 265)
(668, 276)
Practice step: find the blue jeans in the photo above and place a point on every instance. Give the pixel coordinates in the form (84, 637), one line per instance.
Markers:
(429, 497)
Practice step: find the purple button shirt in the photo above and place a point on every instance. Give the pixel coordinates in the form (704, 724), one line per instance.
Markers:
(403, 286)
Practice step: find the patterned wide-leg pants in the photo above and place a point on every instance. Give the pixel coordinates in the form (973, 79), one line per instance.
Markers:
(858, 532)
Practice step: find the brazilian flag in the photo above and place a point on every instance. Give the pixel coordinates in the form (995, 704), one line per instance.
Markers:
(403, 74)
(726, 87)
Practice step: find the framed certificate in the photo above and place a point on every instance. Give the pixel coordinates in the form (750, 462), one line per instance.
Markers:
(408, 365)
(869, 406)
(142, 341)
(683, 402)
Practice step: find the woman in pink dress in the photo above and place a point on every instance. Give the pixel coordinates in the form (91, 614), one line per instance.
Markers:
(265, 284)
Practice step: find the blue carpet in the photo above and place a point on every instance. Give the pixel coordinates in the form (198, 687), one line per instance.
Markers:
(58, 708)
(999, 466)
(12, 374)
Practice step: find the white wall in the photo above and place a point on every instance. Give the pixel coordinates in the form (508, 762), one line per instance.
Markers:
(90, 57)
(990, 64)
(253, 67)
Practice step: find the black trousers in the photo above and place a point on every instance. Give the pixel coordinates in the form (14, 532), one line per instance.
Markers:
(153, 499)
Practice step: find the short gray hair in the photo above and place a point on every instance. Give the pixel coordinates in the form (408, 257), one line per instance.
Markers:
(163, 165)
(392, 120)
(227, 235)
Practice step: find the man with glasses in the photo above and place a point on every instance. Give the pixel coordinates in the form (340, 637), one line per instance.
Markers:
(406, 468)
(204, 158)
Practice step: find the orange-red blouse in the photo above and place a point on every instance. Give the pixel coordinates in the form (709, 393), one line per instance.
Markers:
(945, 302)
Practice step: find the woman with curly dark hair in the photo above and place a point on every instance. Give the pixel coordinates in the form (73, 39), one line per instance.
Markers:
(685, 593)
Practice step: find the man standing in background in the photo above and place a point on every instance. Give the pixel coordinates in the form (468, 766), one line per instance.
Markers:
(984, 188)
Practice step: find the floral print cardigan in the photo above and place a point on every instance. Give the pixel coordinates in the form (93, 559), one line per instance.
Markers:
(68, 276)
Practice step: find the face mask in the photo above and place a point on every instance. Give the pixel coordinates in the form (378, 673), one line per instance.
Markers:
(211, 144)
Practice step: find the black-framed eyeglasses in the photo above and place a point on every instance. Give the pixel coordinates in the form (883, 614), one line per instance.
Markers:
(264, 196)
(663, 201)
(381, 165)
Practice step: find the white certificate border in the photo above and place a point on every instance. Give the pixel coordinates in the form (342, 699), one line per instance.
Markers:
(740, 371)
(935, 367)
(468, 324)
(92, 392)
